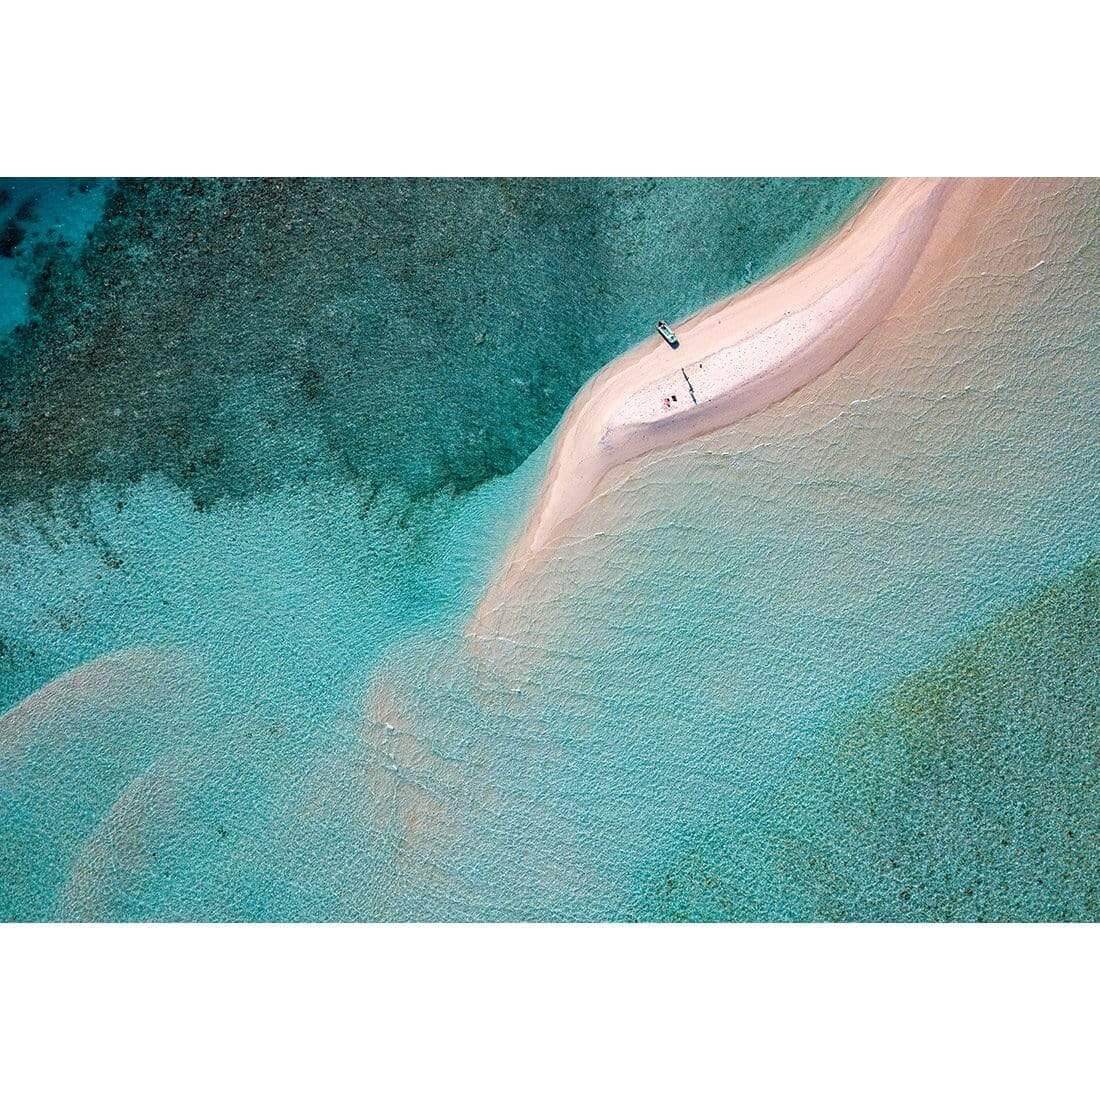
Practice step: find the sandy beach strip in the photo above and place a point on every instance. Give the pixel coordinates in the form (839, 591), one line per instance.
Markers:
(734, 358)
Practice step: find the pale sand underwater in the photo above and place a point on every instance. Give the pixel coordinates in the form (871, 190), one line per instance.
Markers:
(718, 604)
(665, 662)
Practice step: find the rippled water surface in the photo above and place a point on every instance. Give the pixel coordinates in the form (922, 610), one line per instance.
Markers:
(264, 444)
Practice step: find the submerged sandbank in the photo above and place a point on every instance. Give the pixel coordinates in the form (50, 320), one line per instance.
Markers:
(735, 358)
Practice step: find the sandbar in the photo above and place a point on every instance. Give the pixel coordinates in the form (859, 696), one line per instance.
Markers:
(734, 358)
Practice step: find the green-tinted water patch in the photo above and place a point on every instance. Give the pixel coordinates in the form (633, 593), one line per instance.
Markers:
(972, 792)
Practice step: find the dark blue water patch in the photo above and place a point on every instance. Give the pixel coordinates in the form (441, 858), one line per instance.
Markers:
(38, 219)
(238, 335)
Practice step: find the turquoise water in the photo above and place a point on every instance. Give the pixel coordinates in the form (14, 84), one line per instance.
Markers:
(269, 617)
(236, 336)
(971, 793)
(208, 458)
(297, 724)
(40, 219)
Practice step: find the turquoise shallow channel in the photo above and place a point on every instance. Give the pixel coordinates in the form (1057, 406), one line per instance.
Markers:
(263, 445)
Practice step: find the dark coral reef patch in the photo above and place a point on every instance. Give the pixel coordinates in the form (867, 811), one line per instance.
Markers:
(233, 335)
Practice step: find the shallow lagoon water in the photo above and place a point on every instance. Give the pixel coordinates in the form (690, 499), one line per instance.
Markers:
(308, 731)
(265, 619)
(202, 478)
(725, 611)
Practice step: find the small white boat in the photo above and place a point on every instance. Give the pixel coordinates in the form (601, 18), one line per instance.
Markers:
(668, 335)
